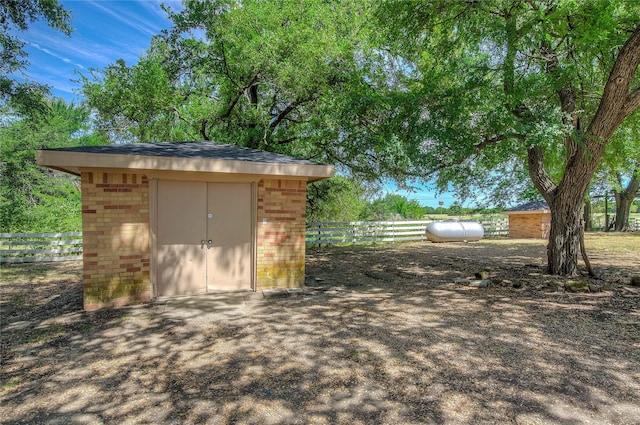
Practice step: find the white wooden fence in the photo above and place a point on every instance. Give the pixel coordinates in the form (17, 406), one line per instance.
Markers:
(357, 232)
(599, 223)
(36, 247)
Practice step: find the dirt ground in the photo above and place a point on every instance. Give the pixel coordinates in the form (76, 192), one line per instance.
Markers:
(382, 335)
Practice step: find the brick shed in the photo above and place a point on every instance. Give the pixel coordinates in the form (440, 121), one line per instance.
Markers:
(168, 219)
(530, 220)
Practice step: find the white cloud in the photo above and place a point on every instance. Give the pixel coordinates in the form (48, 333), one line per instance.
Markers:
(104, 32)
(51, 76)
(149, 26)
(154, 7)
(76, 49)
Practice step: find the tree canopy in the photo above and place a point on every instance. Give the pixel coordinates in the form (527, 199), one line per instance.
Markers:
(536, 87)
(621, 169)
(15, 17)
(34, 198)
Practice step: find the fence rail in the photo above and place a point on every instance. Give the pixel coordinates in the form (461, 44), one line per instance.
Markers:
(356, 232)
(37, 247)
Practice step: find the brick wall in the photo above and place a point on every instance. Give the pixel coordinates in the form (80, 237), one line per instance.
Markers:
(529, 225)
(115, 221)
(281, 240)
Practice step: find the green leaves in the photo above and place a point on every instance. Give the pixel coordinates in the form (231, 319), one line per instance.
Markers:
(16, 16)
(34, 198)
(269, 75)
(498, 77)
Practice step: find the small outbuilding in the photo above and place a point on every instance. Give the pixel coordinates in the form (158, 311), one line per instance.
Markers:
(530, 220)
(169, 219)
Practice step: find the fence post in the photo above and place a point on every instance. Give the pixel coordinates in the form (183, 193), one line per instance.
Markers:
(393, 232)
(353, 232)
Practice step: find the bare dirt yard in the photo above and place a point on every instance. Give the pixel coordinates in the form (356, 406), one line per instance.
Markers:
(382, 335)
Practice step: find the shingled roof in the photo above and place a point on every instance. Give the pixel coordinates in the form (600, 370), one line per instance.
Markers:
(199, 157)
(529, 207)
(201, 149)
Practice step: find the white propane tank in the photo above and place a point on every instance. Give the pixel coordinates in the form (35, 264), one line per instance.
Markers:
(454, 231)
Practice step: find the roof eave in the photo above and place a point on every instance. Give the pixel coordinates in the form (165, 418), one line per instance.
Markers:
(527, 212)
(71, 162)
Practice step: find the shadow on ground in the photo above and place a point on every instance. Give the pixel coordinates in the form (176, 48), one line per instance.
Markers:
(380, 336)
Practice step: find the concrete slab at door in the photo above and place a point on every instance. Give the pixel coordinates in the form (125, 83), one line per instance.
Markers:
(181, 228)
(229, 256)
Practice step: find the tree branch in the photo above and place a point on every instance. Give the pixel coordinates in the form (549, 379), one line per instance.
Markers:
(616, 102)
(632, 102)
(282, 114)
(566, 94)
(538, 174)
(239, 94)
(285, 141)
(634, 184)
(225, 65)
(203, 130)
(229, 110)
(180, 116)
(479, 148)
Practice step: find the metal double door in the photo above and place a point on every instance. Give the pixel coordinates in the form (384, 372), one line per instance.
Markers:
(204, 237)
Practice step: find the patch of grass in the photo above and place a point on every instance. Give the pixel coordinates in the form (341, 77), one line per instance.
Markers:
(86, 328)
(20, 273)
(613, 242)
(39, 272)
(19, 300)
(43, 336)
(12, 383)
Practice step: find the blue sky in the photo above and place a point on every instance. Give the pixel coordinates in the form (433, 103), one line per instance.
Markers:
(108, 30)
(104, 31)
(424, 195)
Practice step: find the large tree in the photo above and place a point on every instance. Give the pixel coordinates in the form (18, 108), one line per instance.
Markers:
(252, 73)
(33, 198)
(621, 169)
(288, 76)
(520, 85)
(624, 195)
(15, 17)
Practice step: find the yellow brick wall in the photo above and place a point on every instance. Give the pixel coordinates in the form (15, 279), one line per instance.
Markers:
(281, 239)
(115, 222)
(529, 226)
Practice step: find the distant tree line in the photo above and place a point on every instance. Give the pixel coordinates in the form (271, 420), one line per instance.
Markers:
(343, 199)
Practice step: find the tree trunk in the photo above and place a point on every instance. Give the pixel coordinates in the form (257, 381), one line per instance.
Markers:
(586, 216)
(566, 199)
(624, 199)
(563, 247)
(623, 205)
